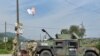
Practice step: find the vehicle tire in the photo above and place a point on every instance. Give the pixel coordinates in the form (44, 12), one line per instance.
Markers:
(45, 53)
(90, 54)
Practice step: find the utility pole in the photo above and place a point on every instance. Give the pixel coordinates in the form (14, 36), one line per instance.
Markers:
(17, 22)
(5, 38)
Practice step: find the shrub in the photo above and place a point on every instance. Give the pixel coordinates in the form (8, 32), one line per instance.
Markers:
(98, 45)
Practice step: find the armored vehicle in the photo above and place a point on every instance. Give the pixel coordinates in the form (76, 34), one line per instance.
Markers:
(65, 45)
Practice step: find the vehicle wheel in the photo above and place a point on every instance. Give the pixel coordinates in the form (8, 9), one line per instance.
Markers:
(90, 54)
(45, 53)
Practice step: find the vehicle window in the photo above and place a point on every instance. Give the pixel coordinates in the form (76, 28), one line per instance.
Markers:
(59, 43)
(73, 44)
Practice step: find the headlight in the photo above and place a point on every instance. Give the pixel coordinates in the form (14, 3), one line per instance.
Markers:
(72, 49)
(44, 44)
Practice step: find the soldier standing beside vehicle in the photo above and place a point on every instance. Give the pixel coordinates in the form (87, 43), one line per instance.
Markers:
(34, 48)
(31, 47)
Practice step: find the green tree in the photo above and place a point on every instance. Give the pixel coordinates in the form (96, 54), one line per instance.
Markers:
(80, 31)
(64, 31)
(74, 28)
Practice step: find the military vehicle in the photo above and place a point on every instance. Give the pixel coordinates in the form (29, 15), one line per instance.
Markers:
(65, 45)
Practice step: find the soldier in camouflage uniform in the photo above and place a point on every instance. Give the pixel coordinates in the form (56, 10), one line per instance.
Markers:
(34, 48)
(14, 52)
(31, 47)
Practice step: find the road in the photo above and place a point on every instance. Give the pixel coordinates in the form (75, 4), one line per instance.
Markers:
(5, 55)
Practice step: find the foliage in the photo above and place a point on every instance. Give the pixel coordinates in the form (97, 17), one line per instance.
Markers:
(64, 31)
(74, 28)
(80, 31)
(98, 45)
(8, 48)
(3, 51)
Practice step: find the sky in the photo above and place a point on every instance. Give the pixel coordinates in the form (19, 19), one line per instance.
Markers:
(52, 15)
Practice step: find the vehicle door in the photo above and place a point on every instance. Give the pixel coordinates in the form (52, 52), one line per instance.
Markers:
(60, 48)
(72, 48)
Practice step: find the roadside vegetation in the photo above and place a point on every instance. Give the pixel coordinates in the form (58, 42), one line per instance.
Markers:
(5, 49)
(98, 45)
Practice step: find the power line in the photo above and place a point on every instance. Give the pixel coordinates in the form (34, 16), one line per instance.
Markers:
(30, 28)
(82, 8)
(34, 26)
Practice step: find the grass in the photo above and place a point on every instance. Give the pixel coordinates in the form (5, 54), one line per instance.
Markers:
(3, 51)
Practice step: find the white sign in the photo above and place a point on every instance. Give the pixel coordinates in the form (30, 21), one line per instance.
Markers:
(5, 39)
(20, 29)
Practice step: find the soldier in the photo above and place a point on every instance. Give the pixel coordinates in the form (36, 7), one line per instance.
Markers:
(14, 52)
(31, 47)
(34, 48)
